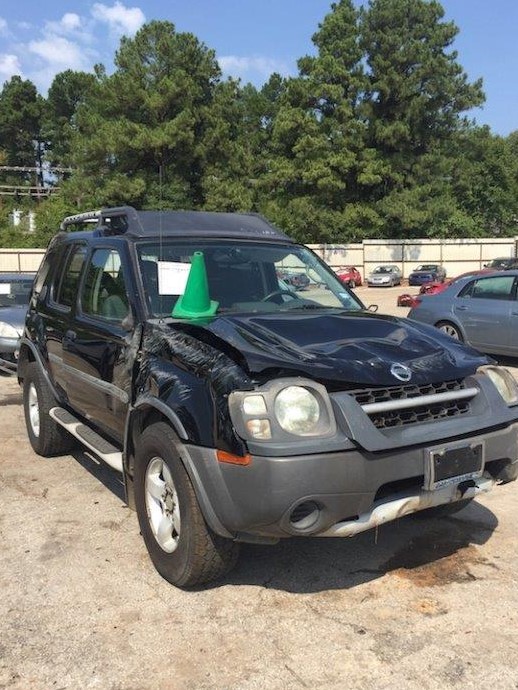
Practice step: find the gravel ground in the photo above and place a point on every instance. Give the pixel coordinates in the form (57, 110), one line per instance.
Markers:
(412, 605)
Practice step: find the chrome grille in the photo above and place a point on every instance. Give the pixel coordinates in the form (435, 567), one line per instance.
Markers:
(418, 414)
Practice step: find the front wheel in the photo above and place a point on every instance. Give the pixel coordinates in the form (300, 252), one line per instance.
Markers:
(450, 329)
(352, 284)
(184, 550)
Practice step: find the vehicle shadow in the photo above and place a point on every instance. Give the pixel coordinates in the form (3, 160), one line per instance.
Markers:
(111, 479)
(426, 552)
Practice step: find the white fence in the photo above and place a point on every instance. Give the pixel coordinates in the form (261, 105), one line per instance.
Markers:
(457, 256)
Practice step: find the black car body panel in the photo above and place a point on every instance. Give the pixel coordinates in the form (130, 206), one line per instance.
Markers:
(339, 348)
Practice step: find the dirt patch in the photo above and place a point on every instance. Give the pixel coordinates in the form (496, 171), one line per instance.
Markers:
(429, 607)
(433, 561)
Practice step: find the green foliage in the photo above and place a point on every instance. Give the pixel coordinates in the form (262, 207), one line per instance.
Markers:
(370, 139)
(20, 121)
(67, 92)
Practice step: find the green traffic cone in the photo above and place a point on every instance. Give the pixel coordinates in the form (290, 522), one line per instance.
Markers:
(195, 301)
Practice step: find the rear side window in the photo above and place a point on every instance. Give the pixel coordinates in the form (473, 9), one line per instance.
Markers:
(68, 281)
(496, 288)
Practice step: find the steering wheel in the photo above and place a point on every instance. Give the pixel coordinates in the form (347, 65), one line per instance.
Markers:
(279, 292)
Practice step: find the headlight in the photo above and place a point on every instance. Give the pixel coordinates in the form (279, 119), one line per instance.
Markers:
(8, 331)
(297, 410)
(281, 410)
(503, 381)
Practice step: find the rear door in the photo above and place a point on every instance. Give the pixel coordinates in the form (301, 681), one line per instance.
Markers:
(56, 308)
(485, 308)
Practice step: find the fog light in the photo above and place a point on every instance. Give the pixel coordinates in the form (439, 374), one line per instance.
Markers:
(305, 515)
(259, 428)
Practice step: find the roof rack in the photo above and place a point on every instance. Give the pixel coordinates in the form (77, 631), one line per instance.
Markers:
(125, 220)
(104, 219)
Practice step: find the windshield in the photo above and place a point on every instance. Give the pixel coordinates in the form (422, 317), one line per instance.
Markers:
(426, 267)
(242, 277)
(15, 291)
(383, 269)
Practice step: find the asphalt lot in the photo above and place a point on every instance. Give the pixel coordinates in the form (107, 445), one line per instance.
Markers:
(412, 605)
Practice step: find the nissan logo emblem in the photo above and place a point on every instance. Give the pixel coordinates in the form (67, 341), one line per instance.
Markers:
(401, 372)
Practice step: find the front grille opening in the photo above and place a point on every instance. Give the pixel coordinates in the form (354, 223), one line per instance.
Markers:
(421, 414)
(374, 395)
(411, 484)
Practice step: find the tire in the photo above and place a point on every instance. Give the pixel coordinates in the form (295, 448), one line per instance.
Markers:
(184, 550)
(450, 329)
(352, 284)
(443, 511)
(46, 437)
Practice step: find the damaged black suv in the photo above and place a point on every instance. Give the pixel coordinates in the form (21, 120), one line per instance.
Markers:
(238, 409)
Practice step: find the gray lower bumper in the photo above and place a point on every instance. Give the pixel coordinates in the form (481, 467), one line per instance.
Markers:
(349, 487)
(405, 504)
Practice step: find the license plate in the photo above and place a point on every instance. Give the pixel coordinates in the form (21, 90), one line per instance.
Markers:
(453, 464)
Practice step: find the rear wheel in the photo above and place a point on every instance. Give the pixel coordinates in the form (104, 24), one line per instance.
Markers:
(352, 284)
(184, 550)
(47, 438)
(450, 329)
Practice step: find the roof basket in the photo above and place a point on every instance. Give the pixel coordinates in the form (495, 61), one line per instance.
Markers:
(108, 221)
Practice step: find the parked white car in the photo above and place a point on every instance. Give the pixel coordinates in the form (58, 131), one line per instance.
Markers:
(385, 275)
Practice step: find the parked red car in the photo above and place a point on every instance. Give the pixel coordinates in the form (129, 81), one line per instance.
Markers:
(349, 275)
(433, 288)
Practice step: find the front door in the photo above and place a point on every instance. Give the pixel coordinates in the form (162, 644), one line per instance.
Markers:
(97, 352)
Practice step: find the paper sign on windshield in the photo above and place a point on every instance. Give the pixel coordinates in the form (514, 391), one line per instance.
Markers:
(5, 288)
(172, 277)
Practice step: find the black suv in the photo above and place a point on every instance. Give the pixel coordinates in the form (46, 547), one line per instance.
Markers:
(240, 410)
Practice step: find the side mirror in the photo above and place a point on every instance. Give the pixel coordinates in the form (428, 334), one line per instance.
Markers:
(373, 308)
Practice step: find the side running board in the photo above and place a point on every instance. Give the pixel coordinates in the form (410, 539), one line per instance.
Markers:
(111, 455)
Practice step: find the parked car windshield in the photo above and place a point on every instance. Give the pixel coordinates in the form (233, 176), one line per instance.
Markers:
(15, 291)
(426, 267)
(383, 269)
(242, 277)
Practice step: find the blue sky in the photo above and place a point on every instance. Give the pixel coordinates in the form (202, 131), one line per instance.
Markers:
(251, 39)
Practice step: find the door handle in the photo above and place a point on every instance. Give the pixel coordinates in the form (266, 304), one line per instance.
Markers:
(70, 335)
(461, 308)
(514, 313)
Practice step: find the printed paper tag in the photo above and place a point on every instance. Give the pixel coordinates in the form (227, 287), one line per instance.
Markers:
(172, 277)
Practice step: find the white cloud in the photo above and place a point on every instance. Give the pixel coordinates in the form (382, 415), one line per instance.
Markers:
(69, 23)
(3, 27)
(9, 65)
(59, 52)
(243, 66)
(120, 19)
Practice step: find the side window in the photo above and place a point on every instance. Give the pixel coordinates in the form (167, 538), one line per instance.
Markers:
(496, 288)
(65, 291)
(104, 292)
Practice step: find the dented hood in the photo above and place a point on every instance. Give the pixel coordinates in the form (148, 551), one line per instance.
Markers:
(335, 346)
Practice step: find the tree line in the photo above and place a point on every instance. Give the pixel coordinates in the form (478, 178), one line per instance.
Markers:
(370, 139)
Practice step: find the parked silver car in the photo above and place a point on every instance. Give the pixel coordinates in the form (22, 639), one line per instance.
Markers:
(385, 275)
(480, 310)
(15, 289)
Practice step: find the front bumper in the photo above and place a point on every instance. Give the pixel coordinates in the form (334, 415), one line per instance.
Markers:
(353, 489)
(8, 354)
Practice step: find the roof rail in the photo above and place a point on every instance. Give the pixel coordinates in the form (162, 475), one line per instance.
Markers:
(102, 217)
